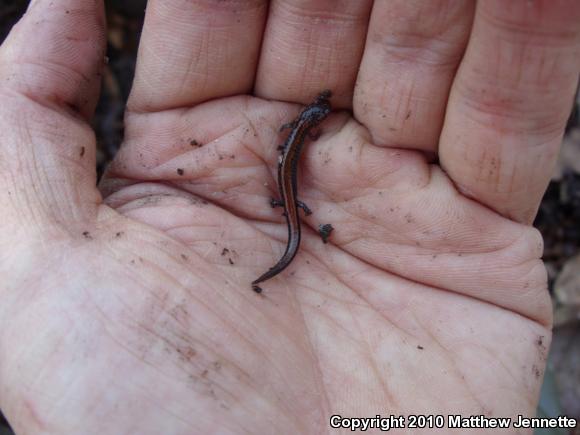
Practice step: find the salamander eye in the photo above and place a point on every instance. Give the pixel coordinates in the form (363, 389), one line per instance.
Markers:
(324, 112)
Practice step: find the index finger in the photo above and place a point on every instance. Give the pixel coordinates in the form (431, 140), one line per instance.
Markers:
(196, 50)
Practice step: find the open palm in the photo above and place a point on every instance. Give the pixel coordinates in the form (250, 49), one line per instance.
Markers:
(128, 308)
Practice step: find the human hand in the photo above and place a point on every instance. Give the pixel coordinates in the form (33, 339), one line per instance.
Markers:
(128, 309)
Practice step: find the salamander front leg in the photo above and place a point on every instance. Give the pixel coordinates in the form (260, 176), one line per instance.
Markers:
(288, 125)
(276, 203)
(314, 135)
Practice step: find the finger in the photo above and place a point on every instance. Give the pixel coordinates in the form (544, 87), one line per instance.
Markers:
(310, 46)
(55, 54)
(510, 102)
(49, 77)
(192, 51)
(412, 52)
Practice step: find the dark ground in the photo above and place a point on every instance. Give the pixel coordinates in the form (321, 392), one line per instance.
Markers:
(558, 218)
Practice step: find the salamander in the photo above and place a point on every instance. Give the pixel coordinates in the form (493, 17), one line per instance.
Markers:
(311, 116)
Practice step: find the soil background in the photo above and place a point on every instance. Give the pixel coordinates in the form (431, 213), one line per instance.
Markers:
(558, 218)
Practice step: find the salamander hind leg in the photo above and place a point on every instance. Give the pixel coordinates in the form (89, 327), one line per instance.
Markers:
(288, 125)
(277, 203)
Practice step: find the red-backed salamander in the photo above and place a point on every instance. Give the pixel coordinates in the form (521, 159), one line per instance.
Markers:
(310, 117)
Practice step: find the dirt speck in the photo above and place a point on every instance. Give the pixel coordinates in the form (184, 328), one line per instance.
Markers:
(186, 353)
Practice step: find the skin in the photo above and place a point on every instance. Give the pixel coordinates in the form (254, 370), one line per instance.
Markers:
(126, 308)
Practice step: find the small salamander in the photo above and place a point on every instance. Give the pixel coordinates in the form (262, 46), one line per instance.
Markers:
(310, 117)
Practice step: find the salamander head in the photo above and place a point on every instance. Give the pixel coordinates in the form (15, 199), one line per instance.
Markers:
(319, 109)
(318, 112)
(324, 95)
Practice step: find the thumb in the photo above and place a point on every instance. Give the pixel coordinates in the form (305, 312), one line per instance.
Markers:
(50, 68)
